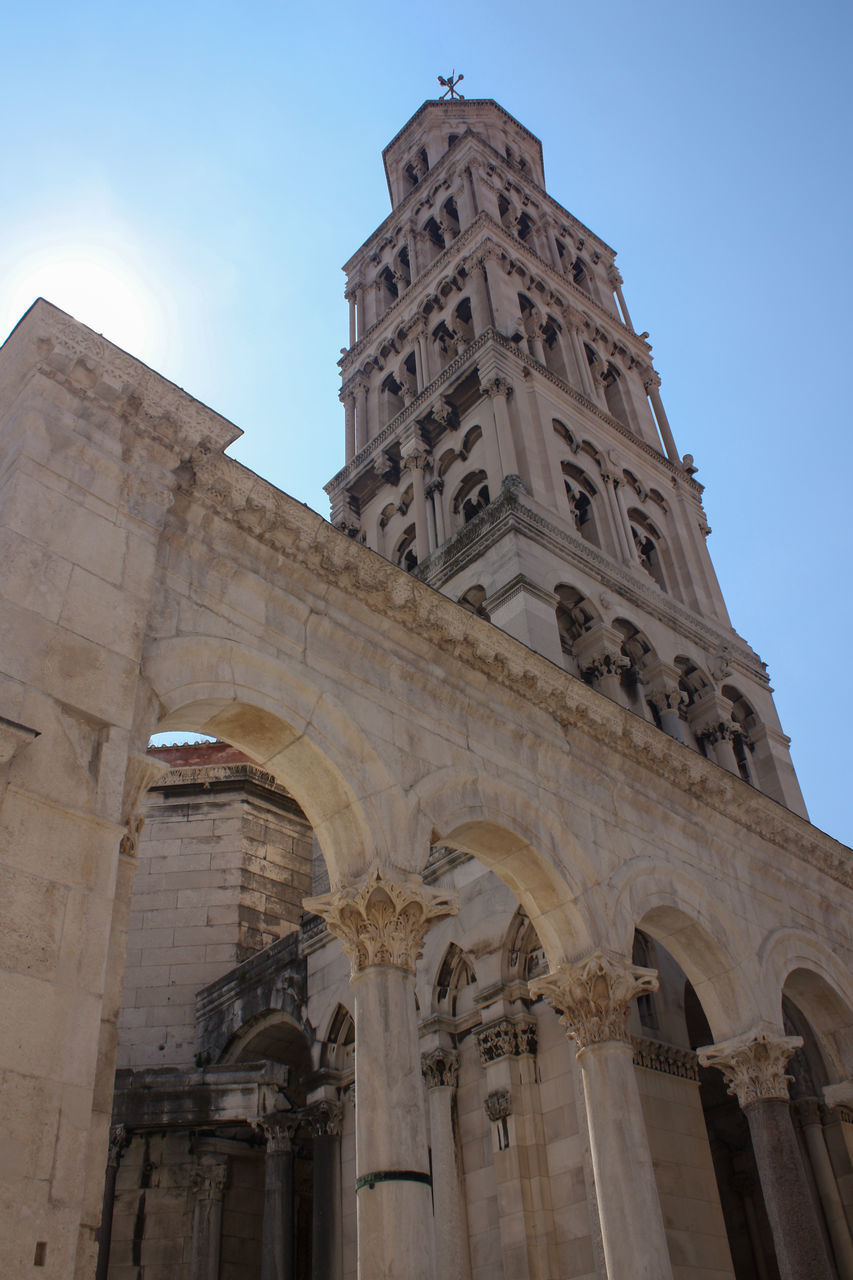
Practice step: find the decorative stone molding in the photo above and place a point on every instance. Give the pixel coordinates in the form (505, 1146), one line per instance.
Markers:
(496, 387)
(382, 922)
(498, 1105)
(753, 1064)
(440, 1069)
(665, 1058)
(325, 1119)
(505, 1039)
(593, 996)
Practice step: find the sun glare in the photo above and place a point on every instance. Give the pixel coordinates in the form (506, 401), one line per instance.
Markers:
(97, 285)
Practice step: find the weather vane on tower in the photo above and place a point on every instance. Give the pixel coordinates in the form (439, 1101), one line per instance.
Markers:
(450, 85)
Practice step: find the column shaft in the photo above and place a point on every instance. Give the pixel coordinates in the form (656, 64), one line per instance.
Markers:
(632, 1227)
(277, 1238)
(326, 1239)
(797, 1236)
(663, 424)
(830, 1197)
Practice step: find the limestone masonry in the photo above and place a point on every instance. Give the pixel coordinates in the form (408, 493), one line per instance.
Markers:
(489, 938)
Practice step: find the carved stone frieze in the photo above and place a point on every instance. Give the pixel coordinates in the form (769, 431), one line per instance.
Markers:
(753, 1064)
(381, 921)
(665, 1058)
(505, 1038)
(440, 1068)
(593, 996)
(498, 1105)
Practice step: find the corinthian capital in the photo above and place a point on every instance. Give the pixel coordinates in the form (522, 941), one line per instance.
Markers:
(496, 386)
(440, 1068)
(593, 996)
(382, 922)
(753, 1064)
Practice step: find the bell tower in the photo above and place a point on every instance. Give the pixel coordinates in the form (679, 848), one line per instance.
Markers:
(507, 443)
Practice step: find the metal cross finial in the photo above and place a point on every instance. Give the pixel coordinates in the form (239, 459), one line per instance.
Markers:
(450, 85)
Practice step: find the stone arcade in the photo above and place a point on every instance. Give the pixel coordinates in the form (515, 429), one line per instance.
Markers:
(490, 935)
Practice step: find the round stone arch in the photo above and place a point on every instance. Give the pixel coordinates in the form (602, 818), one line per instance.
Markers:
(271, 1034)
(526, 847)
(297, 731)
(803, 968)
(682, 915)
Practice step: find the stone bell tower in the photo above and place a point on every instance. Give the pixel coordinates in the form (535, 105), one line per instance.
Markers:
(507, 443)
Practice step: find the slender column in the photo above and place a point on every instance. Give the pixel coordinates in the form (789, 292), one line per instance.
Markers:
(434, 491)
(499, 391)
(326, 1121)
(208, 1183)
(415, 460)
(633, 555)
(480, 314)
(593, 997)
(661, 681)
(809, 1113)
(353, 324)
(361, 436)
(277, 1238)
(382, 925)
(662, 421)
(754, 1068)
(349, 420)
(451, 1256)
(119, 1139)
(359, 311)
(581, 361)
(616, 285)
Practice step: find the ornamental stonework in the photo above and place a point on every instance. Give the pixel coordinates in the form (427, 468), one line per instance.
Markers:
(440, 1069)
(505, 1039)
(593, 996)
(382, 922)
(753, 1064)
(498, 1105)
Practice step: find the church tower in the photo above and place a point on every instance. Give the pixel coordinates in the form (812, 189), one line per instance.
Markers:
(507, 443)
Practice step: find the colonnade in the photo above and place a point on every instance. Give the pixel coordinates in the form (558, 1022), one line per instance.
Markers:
(382, 925)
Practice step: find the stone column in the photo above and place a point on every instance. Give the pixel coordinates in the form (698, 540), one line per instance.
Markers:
(349, 420)
(662, 421)
(809, 1113)
(361, 435)
(593, 997)
(480, 313)
(119, 1139)
(382, 924)
(622, 510)
(754, 1068)
(353, 324)
(661, 681)
(208, 1184)
(434, 490)
(616, 285)
(278, 1228)
(414, 461)
(580, 359)
(598, 652)
(451, 1256)
(361, 326)
(326, 1120)
(499, 390)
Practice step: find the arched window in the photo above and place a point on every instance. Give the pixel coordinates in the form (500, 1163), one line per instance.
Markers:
(524, 229)
(614, 395)
(403, 269)
(580, 494)
(455, 973)
(561, 430)
(553, 348)
(463, 323)
(505, 213)
(472, 435)
(746, 720)
(474, 601)
(472, 496)
(388, 291)
(643, 954)
(580, 275)
(450, 218)
(574, 615)
(647, 540)
(405, 555)
(392, 394)
(695, 684)
(434, 237)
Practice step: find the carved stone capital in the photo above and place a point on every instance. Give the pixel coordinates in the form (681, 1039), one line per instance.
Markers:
(669, 698)
(593, 996)
(440, 1068)
(498, 1105)
(382, 922)
(753, 1064)
(325, 1119)
(606, 664)
(210, 1178)
(119, 1140)
(496, 386)
(278, 1128)
(505, 1039)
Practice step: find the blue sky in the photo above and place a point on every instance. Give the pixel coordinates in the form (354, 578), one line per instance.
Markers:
(188, 180)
